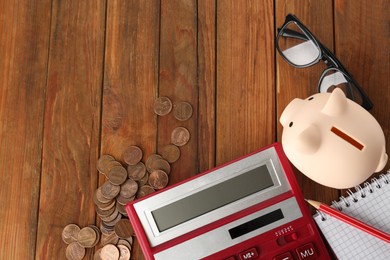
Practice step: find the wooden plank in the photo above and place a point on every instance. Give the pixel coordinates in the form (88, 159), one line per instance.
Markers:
(245, 102)
(206, 83)
(301, 83)
(24, 44)
(178, 79)
(130, 80)
(72, 122)
(362, 44)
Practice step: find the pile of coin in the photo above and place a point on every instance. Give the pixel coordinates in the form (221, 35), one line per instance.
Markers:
(79, 239)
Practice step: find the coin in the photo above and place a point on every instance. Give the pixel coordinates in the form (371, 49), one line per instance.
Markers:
(137, 171)
(144, 180)
(121, 209)
(160, 164)
(114, 221)
(158, 179)
(110, 238)
(109, 252)
(99, 199)
(106, 206)
(111, 217)
(87, 237)
(170, 152)
(128, 188)
(132, 155)
(144, 191)
(180, 136)
(125, 242)
(124, 252)
(182, 111)
(110, 191)
(103, 163)
(123, 229)
(117, 175)
(97, 231)
(162, 106)
(123, 201)
(105, 213)
(70, 233)
(150, 160)
(74, 251)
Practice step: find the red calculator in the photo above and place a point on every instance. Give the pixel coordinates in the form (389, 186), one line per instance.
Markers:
(250, 208)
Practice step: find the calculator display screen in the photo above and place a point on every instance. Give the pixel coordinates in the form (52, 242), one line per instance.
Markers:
(212, 198)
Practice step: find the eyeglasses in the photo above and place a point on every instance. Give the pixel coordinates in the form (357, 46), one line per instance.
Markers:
(298, 46)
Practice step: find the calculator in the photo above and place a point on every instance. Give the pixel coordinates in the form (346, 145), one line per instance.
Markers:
(249, 208)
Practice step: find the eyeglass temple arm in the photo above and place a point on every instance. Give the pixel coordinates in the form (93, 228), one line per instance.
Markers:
(367, 104)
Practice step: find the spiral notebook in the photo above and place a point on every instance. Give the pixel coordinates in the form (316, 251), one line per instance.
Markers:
(369, 203)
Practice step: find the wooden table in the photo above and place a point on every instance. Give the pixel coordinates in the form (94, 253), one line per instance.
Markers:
(79, 78)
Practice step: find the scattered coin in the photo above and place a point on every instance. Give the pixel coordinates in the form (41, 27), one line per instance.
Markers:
(128, 188)
(105, 213)
(180, 136)
(111, 217)
(110, 191)
(182, 111)
(114, 221)
(121, 209)
(70, 233)
(132, 155)
(110, 252)
(171, 153)
(144, 191)
(123, 201)
(158, 179)
(137, 171)
(74, 251)
(107, 206)
(97, 231)
(162, 106)
(124, 252)
(123, 229)
(87, 237)
(117, 175)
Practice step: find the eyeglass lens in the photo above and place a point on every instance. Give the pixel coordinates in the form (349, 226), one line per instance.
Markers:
(296, 47)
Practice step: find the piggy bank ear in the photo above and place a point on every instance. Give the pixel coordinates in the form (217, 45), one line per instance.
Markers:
(336, 104)
(309, 140)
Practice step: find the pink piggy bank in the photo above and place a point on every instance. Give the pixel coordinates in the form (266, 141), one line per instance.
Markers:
(333, 140)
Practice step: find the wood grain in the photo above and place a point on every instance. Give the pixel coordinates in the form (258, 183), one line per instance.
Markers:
(362, 44)
(245, 105)
(72, 122)
(206, 83)
(301, 83)
(24, 42)
(178, 79)
(130, 80)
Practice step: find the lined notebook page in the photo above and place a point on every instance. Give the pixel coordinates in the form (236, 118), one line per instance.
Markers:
(373, 208)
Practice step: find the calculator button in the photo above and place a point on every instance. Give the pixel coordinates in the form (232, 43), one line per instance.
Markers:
(291, 237)
(249, 254)
(306, 252)
(285, 256)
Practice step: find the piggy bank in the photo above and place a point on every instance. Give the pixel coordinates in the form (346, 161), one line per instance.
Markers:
(333, 140)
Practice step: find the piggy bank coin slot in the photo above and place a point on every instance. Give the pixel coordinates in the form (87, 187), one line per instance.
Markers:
(347, 138)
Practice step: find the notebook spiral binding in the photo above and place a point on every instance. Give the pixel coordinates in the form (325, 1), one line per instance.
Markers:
(359, 192)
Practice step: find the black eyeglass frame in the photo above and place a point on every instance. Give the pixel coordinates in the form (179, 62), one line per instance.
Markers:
(325, 54)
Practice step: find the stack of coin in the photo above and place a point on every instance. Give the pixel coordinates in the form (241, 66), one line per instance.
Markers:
(79, 239)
